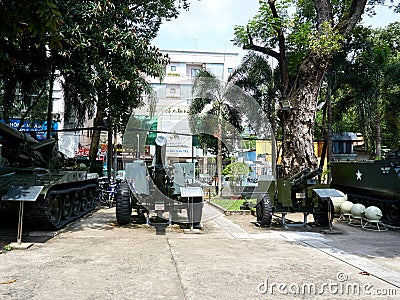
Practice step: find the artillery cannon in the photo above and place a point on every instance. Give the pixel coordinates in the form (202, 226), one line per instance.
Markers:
(158, 192)
(300, 193)
(37, 171)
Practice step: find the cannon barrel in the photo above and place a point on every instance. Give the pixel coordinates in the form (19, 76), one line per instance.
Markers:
(299, 174)
(13, 134)
(161, 144)
(301, 181)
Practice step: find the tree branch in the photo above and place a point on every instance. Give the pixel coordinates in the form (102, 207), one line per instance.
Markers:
(267, 51)
(324, 11)
(283, 64)
(351, 17)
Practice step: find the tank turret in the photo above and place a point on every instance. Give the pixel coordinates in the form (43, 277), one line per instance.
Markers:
(22, 150)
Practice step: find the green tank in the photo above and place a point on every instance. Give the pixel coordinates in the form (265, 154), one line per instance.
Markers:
(371, 182)
(38, 172)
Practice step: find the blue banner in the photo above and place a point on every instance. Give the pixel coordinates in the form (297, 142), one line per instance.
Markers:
(39, 128)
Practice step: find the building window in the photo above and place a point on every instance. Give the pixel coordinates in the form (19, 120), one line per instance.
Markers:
(230, 70)
(194, 72)
(173, 68)
(173, 91)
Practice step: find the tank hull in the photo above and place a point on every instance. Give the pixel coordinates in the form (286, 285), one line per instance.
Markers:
(371, 183)
(66, 195)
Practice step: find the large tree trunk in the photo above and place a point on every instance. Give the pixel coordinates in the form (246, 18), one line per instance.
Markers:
(378, 151)
(95, 142)
(299, 119)
(50, 104)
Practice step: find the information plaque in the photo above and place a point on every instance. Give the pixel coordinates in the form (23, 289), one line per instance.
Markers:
(327, 193)
(192, 191)
(23, 193)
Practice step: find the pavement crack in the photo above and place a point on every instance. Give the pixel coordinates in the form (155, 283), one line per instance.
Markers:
(177, 269)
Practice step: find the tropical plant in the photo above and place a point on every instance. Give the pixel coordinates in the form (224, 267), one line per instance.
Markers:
(237, 172)
(212, 117)
(368, 88)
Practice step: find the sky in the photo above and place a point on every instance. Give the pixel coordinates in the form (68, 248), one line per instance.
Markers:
(209, 24)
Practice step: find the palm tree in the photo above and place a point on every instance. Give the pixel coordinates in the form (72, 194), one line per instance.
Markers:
(212, 117)
(256, 77)
(220, 110)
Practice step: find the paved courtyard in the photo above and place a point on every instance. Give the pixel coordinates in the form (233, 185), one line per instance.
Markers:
(230, 258)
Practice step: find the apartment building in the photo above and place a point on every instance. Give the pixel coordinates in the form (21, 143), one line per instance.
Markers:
(174, 94)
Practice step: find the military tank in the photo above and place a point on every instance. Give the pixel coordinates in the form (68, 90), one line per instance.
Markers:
(61, 192)
(371, 182)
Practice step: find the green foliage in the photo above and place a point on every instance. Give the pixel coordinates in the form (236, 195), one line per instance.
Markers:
(368, 86)
(107, 52)
(29, 29)
(236, 169)
(101, 48)
(255, 76)
(325, 41)
(304, 36)
(264, 26)
(228, 203)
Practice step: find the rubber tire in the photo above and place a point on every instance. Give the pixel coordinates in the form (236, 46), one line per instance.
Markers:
(123, 207)
(321, 217)
(264, 211)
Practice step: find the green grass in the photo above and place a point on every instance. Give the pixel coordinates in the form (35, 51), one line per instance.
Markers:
(228, 204)
(231, 204)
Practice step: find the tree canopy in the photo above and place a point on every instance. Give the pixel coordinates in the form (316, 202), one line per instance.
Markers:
(303, 37)
(100, 50)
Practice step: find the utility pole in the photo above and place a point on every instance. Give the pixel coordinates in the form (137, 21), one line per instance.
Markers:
(109, 149)
(50, 104)
(219, 154)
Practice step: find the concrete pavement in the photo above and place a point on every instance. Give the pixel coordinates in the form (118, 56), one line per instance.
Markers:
(96, 259)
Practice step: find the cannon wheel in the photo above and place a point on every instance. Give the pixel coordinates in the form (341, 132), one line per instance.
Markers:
(264, 211)
(321, 217)
(123, 207)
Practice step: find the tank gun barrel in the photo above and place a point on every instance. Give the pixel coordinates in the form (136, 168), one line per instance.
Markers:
(23, 150)
(15, 135)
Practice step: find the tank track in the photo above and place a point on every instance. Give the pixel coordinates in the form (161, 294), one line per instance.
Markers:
(37, 213)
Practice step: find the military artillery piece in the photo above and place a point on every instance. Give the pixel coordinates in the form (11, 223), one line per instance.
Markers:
(158, 192)
(300, 193)
(36, 172)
